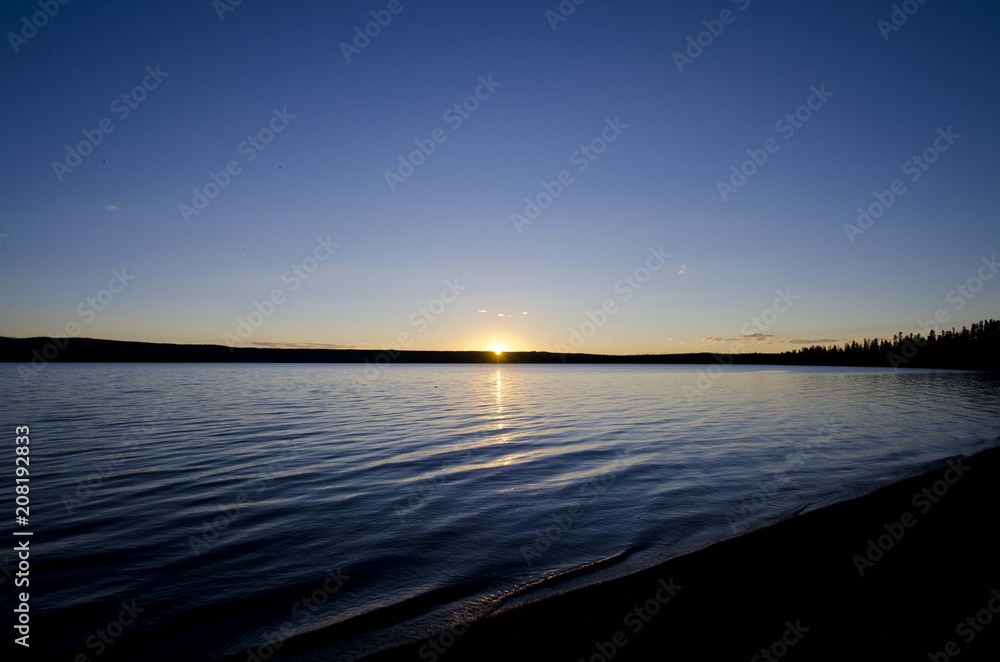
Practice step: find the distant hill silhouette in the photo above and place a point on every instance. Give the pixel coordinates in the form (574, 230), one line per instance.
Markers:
(972, 348)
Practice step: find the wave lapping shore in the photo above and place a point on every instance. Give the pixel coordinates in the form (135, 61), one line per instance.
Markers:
(911, 571)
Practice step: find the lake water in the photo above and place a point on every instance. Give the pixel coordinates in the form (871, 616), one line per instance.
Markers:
(232, 507)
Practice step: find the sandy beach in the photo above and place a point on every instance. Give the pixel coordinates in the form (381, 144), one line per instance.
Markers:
(908, 572)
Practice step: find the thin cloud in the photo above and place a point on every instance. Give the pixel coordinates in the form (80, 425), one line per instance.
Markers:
(294, 344)
(767, 339)
(758, 338)
(808, 341)
(684, 270)
(111, 207)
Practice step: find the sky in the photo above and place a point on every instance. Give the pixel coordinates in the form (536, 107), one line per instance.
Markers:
(613, 177)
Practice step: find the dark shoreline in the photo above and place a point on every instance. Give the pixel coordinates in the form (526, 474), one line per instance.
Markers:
(798, 579)
(35, 353)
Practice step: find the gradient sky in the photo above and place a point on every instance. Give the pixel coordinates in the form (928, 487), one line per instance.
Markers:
(656, 185)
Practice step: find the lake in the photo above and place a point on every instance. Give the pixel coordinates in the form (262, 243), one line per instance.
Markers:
(213, 511)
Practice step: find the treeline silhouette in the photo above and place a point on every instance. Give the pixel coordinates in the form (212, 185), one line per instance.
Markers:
(971, 348)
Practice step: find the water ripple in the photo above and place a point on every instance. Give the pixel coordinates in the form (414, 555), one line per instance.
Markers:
(225, 494)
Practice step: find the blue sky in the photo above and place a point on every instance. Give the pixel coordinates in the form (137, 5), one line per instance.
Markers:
(417, 261)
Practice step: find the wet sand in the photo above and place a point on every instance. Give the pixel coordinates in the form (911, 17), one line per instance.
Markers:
(893, 575)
